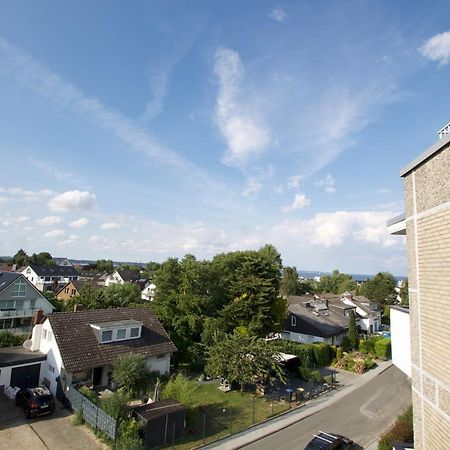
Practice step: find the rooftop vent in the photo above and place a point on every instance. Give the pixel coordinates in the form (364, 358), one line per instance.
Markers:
(444, 131)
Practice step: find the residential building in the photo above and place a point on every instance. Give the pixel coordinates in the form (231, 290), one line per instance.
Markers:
(74, 288)
(149, 291)
(49, 278)
(62, 262)
(426, 223)
(121, 276)
(368, 313)
(19, 301)
(401, 338)
(312, 319)
(82, 346)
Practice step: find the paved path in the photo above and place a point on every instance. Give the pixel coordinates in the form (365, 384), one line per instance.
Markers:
(361, 411)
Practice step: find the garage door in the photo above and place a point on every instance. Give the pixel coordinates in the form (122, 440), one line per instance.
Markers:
(26, 376)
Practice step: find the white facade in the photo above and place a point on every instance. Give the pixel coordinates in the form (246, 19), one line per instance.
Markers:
(45, 283)
(115, 278)
(368, 322)
(148, 293)
(160, 363)
(401, 339)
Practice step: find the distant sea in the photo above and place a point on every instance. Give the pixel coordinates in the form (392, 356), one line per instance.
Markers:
(356, 276)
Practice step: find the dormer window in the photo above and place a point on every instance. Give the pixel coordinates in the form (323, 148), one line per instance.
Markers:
(120, 330)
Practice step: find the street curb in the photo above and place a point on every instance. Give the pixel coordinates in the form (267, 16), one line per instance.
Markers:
(226, 443)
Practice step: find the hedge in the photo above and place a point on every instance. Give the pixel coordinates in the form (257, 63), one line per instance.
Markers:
(383, 348)
(401, 431)
(319, 354)
(8, 339)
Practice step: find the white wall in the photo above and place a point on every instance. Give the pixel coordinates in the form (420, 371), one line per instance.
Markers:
(303, 338)
(161, 365)
(401, 340)
(5, 372)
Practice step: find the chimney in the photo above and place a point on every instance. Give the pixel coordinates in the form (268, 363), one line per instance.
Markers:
(14, 268)
(78, 307)
(38, 316)
(444, 131)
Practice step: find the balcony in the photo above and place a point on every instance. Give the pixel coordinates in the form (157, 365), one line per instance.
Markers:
(397, 225)
(17, 313)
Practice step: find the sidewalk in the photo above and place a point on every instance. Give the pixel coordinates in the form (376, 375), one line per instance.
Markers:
(272, 426)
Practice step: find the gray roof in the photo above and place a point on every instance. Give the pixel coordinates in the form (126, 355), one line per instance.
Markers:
(129, 275)
(12, 356)
(428, 153)
(6, 278)
(54, 270)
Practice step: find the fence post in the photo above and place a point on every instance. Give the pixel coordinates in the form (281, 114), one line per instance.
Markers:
(204, 426)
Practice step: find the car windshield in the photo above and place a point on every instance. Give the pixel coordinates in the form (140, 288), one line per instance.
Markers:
(43, 399)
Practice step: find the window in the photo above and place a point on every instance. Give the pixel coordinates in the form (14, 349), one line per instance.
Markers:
(161, 356)
(44, 334)
(293, 321)
(46, 278)
(134, 332)
(121, 333)
(107, 336)
(51, 369)
(19, 289)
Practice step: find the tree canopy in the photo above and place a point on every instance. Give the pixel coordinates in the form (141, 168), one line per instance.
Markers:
(381, 288)
(336, 283)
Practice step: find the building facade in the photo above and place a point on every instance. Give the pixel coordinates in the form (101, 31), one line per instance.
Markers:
(426, 224)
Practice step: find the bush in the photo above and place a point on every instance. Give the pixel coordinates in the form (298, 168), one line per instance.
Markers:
(322, 354)
(355, 362)
(316, 377)
(8, 339)
(383, 348)
(77, 418)
(89, 394)
(346, 344)
(339, 353)
(115, 405)
(304, 373)
(319, 353)
(180, 388)
(130, 374)
(401, 431)
(129, 438)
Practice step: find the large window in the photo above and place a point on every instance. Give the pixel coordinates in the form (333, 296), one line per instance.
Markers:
(107, 336)
(134, 332)
(121, 333)
(19, 289)
(7, 305)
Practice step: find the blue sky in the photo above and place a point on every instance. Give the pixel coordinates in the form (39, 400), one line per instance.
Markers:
(143, 130)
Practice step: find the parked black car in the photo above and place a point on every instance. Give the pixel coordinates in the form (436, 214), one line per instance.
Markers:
(35, 401)
(329, 441)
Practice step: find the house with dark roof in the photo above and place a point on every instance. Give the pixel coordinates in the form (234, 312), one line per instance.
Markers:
(74, 288)
(19, 301)
(82, 346)
(121, 276)
(368, 313)
(313, 319)
(49, 278)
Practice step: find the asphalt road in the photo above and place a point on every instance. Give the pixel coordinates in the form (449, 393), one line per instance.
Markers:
(362, 415)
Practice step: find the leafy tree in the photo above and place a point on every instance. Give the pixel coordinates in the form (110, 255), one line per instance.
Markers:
(404, 294)
(8, 339)
(20, 258)
(180, 388)
(337, 283)
(116, 405)
(129, 438)
(41, 259)
(381, 288)
(352, 332)
(104, 265)
(290, 283)
(51, 297)
(130, 374)
(243, 359)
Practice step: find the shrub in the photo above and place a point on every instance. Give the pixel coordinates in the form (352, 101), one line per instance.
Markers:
(89, 394)
(304, 373)
(354, 362)
(339, 352)
(77, 418)
(316, 377)
(304, 352)
(321, 354)
(401, 431)
(130, 374)
(346, 344)
(8, 339)
(129, 438)
(383, 348)
(333, 352)
(180, 388)
(115, 405)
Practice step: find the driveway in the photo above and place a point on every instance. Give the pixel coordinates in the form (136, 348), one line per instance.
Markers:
(53, 432)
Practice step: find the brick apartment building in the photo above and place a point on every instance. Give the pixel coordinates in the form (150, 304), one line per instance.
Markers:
(426, 223)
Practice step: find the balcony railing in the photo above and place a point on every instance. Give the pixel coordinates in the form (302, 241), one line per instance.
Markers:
(17, 313)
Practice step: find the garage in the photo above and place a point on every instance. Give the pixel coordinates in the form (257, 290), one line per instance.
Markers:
(25, 376)
(20, 367)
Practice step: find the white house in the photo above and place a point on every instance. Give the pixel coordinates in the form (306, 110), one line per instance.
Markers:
(19, 302)
(51, 277)
(369, 313)
(148, 293)
(121, 276)
(62, 262)
(401, 338)
(82, 346)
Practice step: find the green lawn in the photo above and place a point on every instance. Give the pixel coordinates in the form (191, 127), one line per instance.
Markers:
(217, 414)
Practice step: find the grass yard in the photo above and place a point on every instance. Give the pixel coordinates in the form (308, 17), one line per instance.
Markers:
(217, 414)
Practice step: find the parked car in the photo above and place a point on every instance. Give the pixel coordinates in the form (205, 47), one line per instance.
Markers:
(35, 401)
(329, 441)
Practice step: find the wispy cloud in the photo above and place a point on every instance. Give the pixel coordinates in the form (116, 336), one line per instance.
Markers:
(253, 187)
(110, 226)
(42, 80)
(300, 201)
(79, 223)
(294, 182)
(437, 48)
(54, 234)
(327, 183)
(278, 15)
(245, 134)
(49, 220)
(26, 194)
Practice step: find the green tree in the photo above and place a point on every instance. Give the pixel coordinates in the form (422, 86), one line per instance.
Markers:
(404, 293)
(381, 288)
(243, 359)
(104, 265)
(289, 282)
(181, 389)
(336, 283)
(42, 259)
(20, 258)
(352, 332)
(129, 438)
(115, 405)
(130, 374)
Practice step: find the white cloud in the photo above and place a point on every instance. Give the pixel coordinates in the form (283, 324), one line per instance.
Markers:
(383, 191)
(294, 181)
(79, 223)
(26, 194)
(327, 183)
(70, 241)
(54, 234)
(72, 201)
(110, 226)
(300, 201)
(245, 135)
(278, 15)
(49, 220)
(437, 48)
(253, 187)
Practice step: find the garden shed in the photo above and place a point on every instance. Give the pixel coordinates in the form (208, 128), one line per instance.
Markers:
(164, 422)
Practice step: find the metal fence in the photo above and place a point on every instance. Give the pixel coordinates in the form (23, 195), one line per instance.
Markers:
(92, 414)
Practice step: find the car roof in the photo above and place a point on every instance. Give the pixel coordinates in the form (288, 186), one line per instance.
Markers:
(40, 390)
(324, 441)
